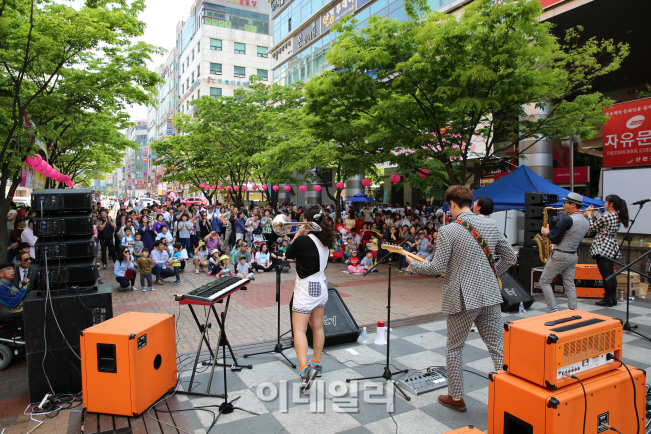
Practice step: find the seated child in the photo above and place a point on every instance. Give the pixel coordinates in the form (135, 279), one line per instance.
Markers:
(354, 265)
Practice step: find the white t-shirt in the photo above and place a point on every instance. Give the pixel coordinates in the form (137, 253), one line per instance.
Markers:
(10, 223)
(243, 268)
(263, 258)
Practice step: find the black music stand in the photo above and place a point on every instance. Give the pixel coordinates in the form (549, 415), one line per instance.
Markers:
(278, 349)
(387, 374)
(627, 239)
(223, 341)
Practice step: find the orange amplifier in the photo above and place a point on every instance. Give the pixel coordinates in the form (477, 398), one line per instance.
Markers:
(465, 430)
(127, 363)
(518, 406)
(543, 348)
(588, 281)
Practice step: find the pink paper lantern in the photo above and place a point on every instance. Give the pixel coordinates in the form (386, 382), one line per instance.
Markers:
(228, 188)
(301, 188)
(366, 182)
(244, 188)
(395, 179)
(255, 187)
(276, 188)
(264, 186)
(202, 185)
(423, 173)
(214, 187)
(340, 185)
(236, 188)
(48, 170)
(317, 188)
(30, 161)
(221, 188)
(37, 158)
(287, 188)
(41, 167)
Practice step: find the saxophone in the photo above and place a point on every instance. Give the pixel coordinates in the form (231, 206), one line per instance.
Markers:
(543, 243)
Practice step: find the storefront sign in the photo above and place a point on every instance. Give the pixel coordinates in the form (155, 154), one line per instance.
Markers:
(308, 35)
(336, 13)
(627, 134)
(562, 175)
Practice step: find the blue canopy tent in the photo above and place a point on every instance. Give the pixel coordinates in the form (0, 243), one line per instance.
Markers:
(359, 197)
(508, 192)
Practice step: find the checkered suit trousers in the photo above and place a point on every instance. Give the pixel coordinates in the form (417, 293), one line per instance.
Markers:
(488, 320)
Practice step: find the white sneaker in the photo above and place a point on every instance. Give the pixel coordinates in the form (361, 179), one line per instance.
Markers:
(134, 288)
(151, 289)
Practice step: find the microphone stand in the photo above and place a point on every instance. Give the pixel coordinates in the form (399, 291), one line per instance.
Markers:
(387, 374)
(627, 239)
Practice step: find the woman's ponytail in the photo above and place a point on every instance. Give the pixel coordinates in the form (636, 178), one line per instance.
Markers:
(620, 206)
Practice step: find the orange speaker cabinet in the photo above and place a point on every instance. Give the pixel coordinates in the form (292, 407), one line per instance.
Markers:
(465, 430)
(518, 406)
(587, 272)
(543, 348)
(128, 363)
(584, 292)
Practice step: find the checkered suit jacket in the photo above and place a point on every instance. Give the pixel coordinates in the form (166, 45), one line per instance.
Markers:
(605, 242)
(469, 280)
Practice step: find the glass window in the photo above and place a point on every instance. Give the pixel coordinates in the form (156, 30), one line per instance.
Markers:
(215, 92)
(316, 5)
(192, 54)
(216, 44)
(377, 6)
(216, 68)
(363, 14)
(198, 93)
(192, 77)
(198, 46)
(239, 71)
(262, 51)
(182, 68)
(289, 25)
(240, 48)
(399, 15)
(263, 73)
(306, 11)
(198, 70)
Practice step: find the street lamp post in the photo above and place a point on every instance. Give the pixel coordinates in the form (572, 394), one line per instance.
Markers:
(567, 142)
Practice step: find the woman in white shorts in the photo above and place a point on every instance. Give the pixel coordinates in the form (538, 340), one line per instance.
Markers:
(311, 290)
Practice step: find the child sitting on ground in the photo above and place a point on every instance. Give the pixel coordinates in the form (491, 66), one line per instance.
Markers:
(354, 263)
(367, 263)
(221, 268)
(144, 264)
(200, 257)
(243, 269)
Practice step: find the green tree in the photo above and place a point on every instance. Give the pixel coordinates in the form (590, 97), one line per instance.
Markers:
(445, 90)
(60, 59)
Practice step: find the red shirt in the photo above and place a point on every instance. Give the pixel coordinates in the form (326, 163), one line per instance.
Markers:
(354, 261)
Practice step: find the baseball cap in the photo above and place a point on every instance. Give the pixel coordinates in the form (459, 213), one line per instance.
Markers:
(354, 251)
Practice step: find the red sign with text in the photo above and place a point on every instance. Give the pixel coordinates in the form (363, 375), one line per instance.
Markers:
(562, 175)
(627, 134)
(548, 3)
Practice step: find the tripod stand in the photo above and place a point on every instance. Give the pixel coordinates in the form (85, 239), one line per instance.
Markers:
(387, 374)
(278, 349)
(627, 239)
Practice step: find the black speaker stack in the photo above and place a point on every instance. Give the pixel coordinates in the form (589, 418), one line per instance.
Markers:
(529, 257)
(67, 298)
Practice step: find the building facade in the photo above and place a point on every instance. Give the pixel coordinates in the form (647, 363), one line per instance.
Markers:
(136, 162)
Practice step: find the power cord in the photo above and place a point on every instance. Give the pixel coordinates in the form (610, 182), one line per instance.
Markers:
(611, 428)
(610, 356)
(585, 399)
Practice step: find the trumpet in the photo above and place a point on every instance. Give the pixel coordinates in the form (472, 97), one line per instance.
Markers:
(281, 225)
(602, 208)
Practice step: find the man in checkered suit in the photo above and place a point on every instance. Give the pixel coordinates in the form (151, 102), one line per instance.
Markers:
(471, 292)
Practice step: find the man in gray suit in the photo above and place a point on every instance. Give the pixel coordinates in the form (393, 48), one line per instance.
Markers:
(471, 292)
(24, 271)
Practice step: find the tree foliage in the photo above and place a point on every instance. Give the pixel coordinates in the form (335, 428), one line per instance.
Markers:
(444, 89)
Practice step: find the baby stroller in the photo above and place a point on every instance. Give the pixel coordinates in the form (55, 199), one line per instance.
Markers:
(258, 240)
(11, 337)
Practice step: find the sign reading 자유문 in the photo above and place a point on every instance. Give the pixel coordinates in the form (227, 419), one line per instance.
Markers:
(627, 134)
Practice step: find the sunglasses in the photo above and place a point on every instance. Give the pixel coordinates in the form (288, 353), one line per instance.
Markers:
(26, 260)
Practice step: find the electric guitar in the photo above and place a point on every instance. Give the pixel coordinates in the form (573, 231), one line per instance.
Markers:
(398, 249)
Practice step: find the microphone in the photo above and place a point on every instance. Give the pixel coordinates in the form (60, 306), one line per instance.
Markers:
(641, 202)
(439, 212)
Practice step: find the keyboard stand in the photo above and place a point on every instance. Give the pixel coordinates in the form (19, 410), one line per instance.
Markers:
(221, 341)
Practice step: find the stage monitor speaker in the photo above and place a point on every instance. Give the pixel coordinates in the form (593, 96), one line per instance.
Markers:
(518, 406)
(528, 258)
(61, 369)
(74, 312)
(67, 273)
(56, 223)
(78, 246)
(540, 199)
(339, 325)
(63, 200)
(128, 363)
(513, 294)
(533, 225)
(529, 236)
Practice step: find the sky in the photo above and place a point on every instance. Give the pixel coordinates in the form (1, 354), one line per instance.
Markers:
(161, 17)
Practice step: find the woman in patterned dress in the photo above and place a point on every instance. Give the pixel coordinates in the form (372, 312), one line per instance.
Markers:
(604, 247)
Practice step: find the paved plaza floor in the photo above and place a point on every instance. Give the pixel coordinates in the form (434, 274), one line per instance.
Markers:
(332, 405)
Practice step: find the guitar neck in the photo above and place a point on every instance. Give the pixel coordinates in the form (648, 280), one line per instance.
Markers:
(400, 250)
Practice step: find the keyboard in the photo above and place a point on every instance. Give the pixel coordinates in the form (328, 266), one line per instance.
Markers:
(213, 292)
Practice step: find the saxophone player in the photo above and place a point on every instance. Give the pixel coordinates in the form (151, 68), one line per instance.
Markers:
(565, 242)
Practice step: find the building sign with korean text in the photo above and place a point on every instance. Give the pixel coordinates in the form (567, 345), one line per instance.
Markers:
(308, 35)
(562, 175)
(627, 134)
(336, 13)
